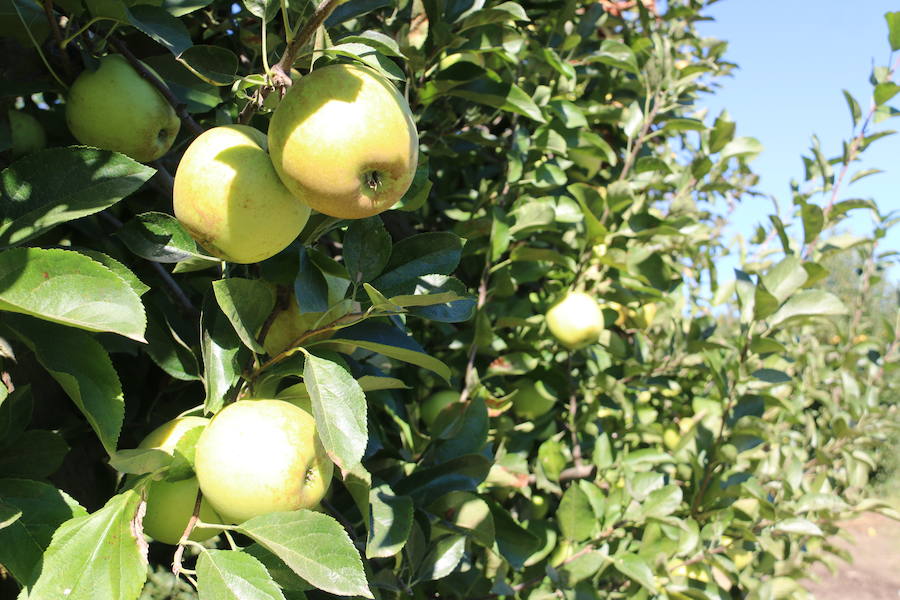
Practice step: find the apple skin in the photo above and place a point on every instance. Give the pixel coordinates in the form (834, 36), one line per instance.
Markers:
(229, 198)
(532, 400)
(26, 132)
(576, 320)
(114, 108)
(286, 327)
(170, 504)
(432, 407)
(261, 456)
(344, 142)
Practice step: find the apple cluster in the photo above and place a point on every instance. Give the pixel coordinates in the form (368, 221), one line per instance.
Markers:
(342, 142)
(253, 458)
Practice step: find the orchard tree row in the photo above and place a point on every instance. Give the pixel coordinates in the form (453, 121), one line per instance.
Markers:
(389, 299)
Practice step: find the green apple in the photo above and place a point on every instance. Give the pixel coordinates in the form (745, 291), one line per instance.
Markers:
(26, 133)
(532, 399)
(540, 506)
(170, 504)
(114, 108)
(261, 456)
(576, 320)
(344, 142)
(435, 403)
(286, 327)
(229, 198)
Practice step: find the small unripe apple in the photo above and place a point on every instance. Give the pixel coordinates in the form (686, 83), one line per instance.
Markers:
(285, 328)
(261, 456)
(532, 399)
(432, 407)
(344, 142)
(114, 108)
(576, 320)
(229, 198)
(26, 133)
(540, 506)
(170, 504)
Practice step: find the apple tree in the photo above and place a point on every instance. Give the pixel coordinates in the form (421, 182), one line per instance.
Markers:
(525, 373)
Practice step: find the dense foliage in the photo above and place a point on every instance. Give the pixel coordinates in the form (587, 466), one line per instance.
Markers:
(705, 447)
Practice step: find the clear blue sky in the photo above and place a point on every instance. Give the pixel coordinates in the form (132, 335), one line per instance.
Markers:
(794, 58)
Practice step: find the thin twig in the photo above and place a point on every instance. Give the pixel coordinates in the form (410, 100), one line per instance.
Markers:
(180, 109)
(57, 35)
(192, 522)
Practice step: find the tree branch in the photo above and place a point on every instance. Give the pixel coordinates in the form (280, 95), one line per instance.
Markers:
(180, 109)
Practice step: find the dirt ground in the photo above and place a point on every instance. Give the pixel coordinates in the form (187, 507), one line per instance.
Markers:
(875, 571)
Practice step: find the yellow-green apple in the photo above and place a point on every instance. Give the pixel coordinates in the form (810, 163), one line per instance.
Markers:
(576, 320)
(532, 399)
(170, 504)
(261, 456)
(26, 133)
(344, 142)
(286, 327)
(114, 108)
(229, 198)
(435, 403)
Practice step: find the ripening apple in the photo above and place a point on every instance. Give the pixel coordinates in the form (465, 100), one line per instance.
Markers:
(286, 327)
(532, 399)
(261, 456)
(344, 142)
(434, 404)
(170, 504)
(576, 320)
(229, 198)
(26, 133)
(114, 108)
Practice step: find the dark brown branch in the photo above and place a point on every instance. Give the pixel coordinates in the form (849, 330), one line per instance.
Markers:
(281, 71)
(180, 109)
(57, 35)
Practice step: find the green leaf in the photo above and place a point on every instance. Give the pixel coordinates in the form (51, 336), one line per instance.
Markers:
(389, 522)
(247, 303)
(616, 54)
(57, 185)
(234, 575)
(43, 508)
(157, 23)
(213, 64)
(662, 502)
(391, 342)
(101, 555)
(381, 42)
(501, 13)
(262, 9)
(785, 278)
(467, 512)
(161, 238)
(885, 91)
(427, 484)
(893, 23)
(799, 526)
(442, 558)
(813, 221)
(808, 303)
(315, 547)
(139, 461)
(772, 376)
(515, 542)
(15, 411)
(339, 407)
(219, 345)
(139, 287)
(82, 368)
(370, 57)
(36, 453)
(742, 147)
(637, 569)
(367, 249)
(418, 255)
(499, 94)
(69, 288)
(853, 105)
(575, 515)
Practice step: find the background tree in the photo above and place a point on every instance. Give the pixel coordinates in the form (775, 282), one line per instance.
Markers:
(705, 446)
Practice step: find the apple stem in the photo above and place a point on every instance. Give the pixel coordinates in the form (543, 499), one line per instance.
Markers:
(280, 71)
(180, 109)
